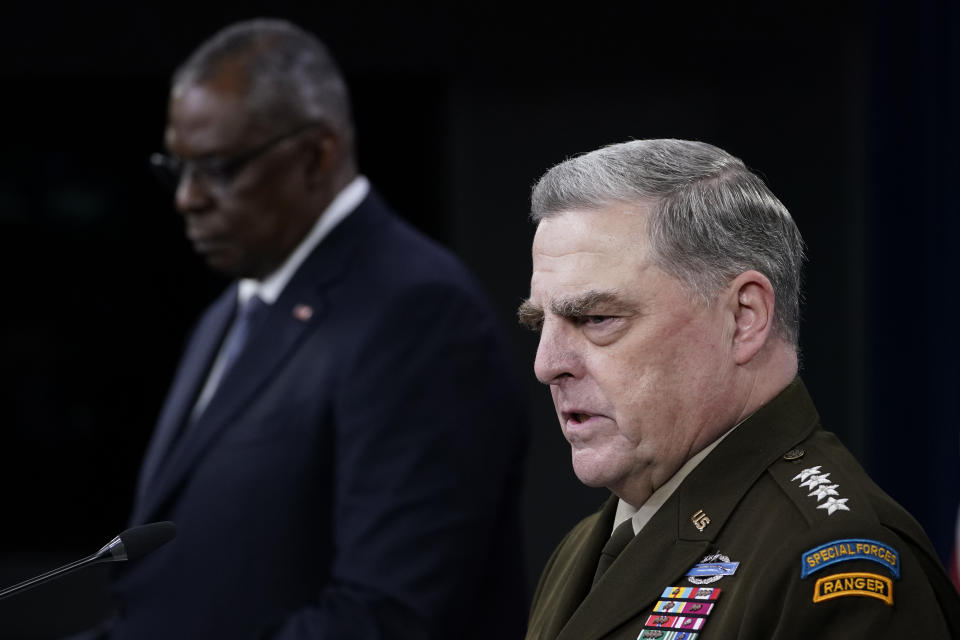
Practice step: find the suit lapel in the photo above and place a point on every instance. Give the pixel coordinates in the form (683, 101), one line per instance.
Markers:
(265, 353)
(284, 327)
(187, 382)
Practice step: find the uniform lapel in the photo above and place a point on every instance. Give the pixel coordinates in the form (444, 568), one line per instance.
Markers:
(716, 486)
(572, 574)
(636, 578)
(671, 543)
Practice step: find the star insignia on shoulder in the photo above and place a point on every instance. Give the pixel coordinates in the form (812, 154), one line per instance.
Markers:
(823, 491)
(819, 485)
(833, 504)
(806, 473)
(814, 481)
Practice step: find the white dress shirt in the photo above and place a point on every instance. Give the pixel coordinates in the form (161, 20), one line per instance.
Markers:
(270, 288)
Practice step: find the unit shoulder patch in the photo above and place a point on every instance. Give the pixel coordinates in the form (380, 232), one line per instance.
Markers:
(850, 549)
(870, 585)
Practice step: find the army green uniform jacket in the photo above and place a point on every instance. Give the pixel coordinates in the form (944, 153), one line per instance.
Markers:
(778, 533)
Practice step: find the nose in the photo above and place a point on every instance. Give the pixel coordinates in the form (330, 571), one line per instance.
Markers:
(191, 195)
(557, 354)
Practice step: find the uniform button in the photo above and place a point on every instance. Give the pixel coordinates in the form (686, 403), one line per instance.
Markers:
(794, 454)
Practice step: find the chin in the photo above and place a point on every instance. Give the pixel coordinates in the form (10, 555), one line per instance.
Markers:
(230, 268)
(593, 471)
(592, 482)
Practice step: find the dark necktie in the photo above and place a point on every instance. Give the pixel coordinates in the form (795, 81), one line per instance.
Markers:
(621, 537)
(245, 323)
(247, 318)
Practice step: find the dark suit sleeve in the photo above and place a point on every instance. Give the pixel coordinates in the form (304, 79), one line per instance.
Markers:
(428, 444)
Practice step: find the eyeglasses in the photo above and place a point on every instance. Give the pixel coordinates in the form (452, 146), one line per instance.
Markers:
(216, 170)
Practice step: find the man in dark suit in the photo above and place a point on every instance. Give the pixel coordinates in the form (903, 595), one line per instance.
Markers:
(341, 445)
(665, 288)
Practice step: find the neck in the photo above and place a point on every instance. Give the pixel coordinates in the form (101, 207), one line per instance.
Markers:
(770, 375)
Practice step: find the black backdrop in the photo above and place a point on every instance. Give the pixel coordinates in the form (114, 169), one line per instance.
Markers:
(849, 113)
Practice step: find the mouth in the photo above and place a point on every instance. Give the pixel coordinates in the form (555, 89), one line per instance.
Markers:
(206, 244)
(576, 418)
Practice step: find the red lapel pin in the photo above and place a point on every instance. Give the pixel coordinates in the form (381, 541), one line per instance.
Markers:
(303, 312)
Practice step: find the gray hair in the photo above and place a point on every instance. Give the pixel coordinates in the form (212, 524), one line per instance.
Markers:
(711, 218)
(291, 77)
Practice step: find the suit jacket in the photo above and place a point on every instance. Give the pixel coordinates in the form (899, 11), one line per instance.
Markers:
(355, 474)
(796, 542)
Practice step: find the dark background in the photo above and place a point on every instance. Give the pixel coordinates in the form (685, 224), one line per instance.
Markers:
(850, 114)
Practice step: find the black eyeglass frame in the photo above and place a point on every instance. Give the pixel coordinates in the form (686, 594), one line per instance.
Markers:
(219, 170)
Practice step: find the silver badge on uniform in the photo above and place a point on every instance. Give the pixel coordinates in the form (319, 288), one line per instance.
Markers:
(711, 569)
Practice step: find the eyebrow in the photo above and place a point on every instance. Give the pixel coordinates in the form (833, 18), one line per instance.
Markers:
(584, 304)
(581, 305)
(530, 315)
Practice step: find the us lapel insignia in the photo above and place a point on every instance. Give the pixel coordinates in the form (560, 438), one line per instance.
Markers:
(700, 520)
(680, 613)
(711, 569)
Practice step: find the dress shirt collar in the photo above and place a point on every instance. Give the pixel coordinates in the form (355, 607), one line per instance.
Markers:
(270, 288)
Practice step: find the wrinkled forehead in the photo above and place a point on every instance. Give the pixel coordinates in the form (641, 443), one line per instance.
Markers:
(581, 249)
(614, 230)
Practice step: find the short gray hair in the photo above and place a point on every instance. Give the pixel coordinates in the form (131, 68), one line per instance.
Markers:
(711, 218)
(291, 77)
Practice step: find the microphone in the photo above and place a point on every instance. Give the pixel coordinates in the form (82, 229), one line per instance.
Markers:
(132, 544)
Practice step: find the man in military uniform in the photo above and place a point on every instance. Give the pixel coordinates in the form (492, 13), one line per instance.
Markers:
(665, 288)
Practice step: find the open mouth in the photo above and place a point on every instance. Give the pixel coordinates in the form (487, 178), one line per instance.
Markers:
(578, 417)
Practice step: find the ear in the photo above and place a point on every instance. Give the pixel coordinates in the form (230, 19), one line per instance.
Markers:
(752, 301)
(323, 153)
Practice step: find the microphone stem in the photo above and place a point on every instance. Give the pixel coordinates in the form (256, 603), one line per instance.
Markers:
(49, 575)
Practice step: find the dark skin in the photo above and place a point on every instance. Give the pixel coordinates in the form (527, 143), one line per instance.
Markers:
(247, 226)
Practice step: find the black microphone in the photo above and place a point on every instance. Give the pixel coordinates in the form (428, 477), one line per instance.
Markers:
(132, 544)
